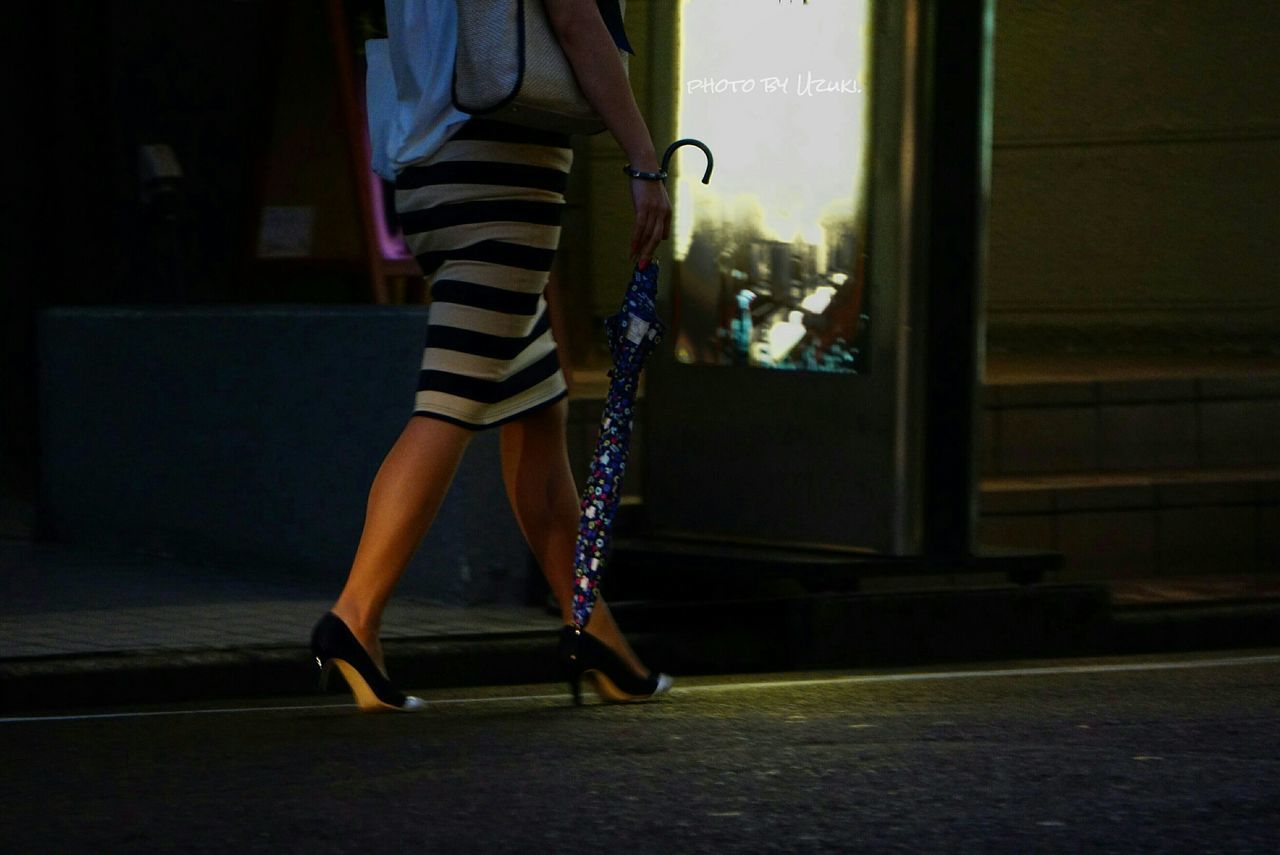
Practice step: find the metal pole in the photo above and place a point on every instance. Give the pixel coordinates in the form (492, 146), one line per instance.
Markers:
(956, 132)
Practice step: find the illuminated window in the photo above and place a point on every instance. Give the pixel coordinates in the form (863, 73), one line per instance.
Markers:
(769, 253)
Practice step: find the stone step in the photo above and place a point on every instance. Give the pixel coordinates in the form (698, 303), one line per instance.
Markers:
(1118, 425)
(1140, 524)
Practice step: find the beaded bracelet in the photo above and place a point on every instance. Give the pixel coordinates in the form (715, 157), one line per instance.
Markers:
(660, 175)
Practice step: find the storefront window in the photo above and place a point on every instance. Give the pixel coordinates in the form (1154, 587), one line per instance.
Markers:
(770, 253)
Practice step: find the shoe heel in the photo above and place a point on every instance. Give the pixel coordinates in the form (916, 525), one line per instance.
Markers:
(569, 662)
(322, 678)
(366, 698)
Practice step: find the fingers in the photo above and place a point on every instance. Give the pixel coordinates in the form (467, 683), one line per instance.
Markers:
(640, 240)
(650, 235)
(653, 221)
(656, 228)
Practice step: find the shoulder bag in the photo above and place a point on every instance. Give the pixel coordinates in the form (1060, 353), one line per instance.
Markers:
(510, 67)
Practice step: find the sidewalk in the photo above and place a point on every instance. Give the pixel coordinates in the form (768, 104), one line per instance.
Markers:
(59, 601)
(80, 626)
(85, 627)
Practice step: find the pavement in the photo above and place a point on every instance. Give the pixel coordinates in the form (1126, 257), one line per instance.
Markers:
(81, 626)
(1156, 753)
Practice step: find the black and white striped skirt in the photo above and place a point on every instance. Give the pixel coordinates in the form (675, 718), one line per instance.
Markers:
(482, 216)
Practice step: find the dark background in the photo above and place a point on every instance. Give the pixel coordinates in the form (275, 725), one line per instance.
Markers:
(90, 82)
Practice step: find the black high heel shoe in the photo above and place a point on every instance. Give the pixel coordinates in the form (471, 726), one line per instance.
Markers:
(332, 643)
(582, 654)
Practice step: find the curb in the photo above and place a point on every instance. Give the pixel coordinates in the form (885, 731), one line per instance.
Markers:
(1207, 626)
(713, 637)
(180, 676)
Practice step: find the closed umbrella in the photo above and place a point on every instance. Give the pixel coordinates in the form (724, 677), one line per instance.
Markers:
(632, 333)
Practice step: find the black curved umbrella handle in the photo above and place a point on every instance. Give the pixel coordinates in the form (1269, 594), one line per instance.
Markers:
(706, 176)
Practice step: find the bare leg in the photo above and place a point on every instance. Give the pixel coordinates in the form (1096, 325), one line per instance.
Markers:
(540, 486)
(406, 494)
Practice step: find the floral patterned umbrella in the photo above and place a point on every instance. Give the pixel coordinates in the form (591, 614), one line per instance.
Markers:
(632, 333)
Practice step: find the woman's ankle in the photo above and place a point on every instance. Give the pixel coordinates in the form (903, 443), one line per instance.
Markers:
(364, 626)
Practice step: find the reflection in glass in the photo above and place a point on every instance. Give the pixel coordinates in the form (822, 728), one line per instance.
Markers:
(770, 253)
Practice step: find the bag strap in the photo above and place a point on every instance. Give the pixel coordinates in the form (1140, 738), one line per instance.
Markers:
(611, 12)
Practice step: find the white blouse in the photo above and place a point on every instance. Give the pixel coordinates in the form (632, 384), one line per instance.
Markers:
(409, 87)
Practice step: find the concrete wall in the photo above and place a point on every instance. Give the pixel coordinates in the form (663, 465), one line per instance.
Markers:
(1135, 172)
(249, 437)
(1136, 478)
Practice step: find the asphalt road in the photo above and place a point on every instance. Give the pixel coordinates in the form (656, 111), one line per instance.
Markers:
(1127, 754)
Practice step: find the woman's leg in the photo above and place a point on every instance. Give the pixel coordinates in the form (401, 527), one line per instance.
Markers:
(403, 501)
(540, 486)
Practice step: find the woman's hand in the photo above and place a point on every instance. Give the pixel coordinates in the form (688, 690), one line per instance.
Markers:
(653, 219)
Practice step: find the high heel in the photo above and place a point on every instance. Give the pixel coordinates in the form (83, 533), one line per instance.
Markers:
(332, 643)
(582, 654)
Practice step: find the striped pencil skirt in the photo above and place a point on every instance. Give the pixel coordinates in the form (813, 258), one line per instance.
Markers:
(482, 216)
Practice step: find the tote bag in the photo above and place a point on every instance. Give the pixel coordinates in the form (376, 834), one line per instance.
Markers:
(510, 66)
